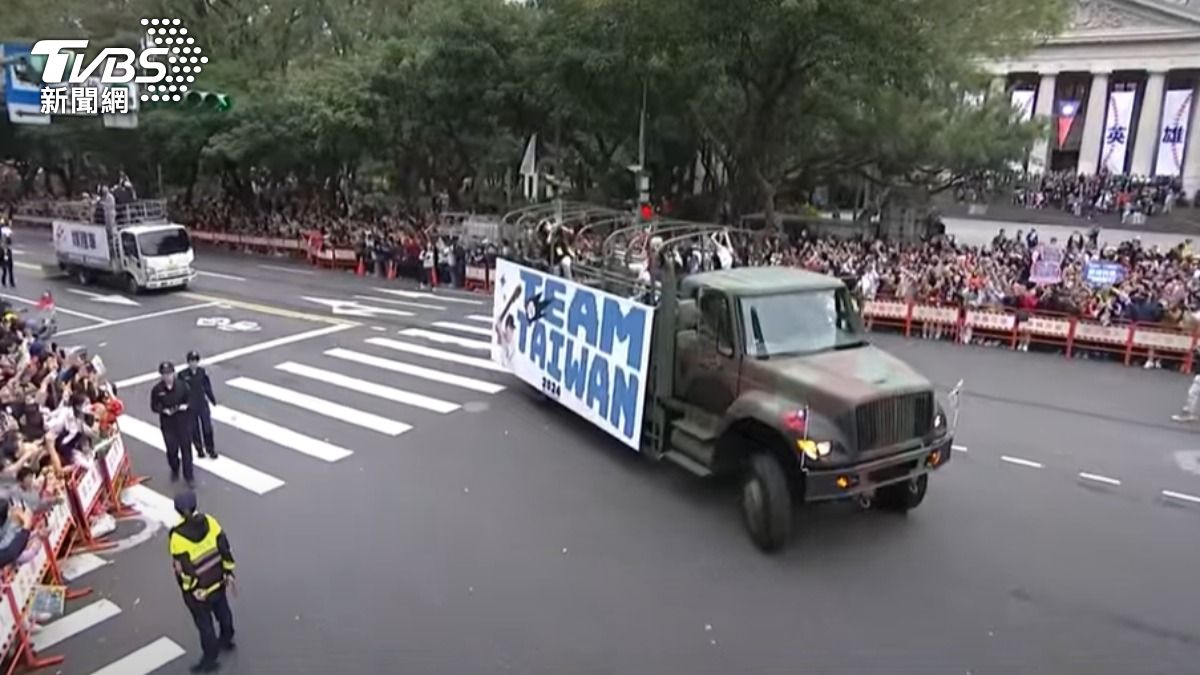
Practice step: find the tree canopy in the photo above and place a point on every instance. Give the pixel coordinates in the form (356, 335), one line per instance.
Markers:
(746, 102)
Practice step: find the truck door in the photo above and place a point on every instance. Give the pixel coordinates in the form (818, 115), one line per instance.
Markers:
(129, 253)
(710, 366)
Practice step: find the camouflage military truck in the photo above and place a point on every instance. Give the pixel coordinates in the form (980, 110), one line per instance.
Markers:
(766, 373)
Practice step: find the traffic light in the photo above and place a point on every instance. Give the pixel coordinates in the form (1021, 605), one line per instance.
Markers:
(209, 100)
(646, 212)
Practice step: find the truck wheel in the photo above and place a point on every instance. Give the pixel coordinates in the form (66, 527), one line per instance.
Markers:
(903, 497)
(131, 285)
(82, 277)
(766, 503)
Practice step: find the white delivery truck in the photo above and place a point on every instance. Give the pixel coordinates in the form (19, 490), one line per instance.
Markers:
(126, 247)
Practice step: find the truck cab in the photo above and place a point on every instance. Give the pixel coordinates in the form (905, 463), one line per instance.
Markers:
(157, 256)
(772, 377)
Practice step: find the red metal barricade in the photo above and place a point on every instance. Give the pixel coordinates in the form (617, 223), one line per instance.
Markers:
(92, 489)
(1125, 340)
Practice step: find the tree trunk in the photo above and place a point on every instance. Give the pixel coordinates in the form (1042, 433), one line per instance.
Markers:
(905, 214)
(767, 192)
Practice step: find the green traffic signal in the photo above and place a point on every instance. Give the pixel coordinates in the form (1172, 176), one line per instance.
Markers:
(209, 100)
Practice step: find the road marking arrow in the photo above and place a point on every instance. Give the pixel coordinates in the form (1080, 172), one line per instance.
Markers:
(351, 308)
(1189, 461)
(442, 297)
(113, 299)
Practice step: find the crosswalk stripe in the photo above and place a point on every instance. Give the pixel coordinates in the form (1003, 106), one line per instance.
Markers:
(399, 303)
(320, 406)
(474, 330)
(75, 623)
(151, 504)
(440, 297)
(145, 660)
(439, 354)
(80, 564)
(223, 467)
(431, 374)
(369, 388)
(480, 318)
(434, 336)
(269, 431)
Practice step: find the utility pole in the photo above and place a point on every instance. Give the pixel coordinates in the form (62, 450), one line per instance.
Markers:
(641, 177)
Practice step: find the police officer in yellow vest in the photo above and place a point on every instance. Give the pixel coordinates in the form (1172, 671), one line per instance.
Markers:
(203, 564)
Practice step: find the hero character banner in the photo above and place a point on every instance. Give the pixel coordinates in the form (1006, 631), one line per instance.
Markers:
(587, 349)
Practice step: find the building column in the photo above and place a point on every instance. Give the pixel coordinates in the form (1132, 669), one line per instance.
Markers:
(1191, 155)
(1093, 125)
(1146, 140)
(1043, 108)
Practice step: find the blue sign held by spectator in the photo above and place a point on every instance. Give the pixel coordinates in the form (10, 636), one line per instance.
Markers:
(1103, 272)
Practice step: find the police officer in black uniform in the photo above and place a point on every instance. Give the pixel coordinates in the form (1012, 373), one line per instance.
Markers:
(169, 398)
(201, 395)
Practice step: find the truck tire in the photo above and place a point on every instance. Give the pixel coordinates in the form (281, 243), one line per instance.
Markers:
(131, 285)
(83, 277)
(902, 497)
(766, 503)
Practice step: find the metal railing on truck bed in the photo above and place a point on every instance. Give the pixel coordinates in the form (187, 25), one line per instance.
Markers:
(141, 212)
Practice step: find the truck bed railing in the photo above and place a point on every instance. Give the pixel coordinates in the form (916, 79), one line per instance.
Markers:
(141, 212)
(619, 263)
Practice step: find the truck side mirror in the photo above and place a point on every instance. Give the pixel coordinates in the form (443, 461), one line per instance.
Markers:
(725, 350)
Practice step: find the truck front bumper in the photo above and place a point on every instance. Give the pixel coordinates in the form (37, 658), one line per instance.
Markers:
(171, 282)
(857, 479)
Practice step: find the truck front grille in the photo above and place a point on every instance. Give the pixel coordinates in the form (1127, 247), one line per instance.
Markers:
(893, 420)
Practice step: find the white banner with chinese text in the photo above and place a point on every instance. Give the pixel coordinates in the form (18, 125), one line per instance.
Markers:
(1172, 135)
(1022, 102)
(1116, 131)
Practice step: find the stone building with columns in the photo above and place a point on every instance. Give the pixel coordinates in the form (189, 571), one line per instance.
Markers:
(1119, 87)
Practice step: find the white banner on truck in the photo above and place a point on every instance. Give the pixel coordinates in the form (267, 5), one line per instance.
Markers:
(80, 241)
(585, 348)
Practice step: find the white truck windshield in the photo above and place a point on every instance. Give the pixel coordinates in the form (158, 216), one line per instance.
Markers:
(800, 323)
(164, 242)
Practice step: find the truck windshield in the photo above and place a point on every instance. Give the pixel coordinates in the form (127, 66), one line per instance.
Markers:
(801, 323)
(164, 242)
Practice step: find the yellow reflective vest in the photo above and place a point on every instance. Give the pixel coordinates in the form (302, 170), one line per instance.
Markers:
(201, 566)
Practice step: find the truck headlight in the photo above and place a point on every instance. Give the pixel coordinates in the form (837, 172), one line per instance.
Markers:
(814, 449)
(939, 419)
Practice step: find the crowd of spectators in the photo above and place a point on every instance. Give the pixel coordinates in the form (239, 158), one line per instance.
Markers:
(1132, 198)
(418, 245)
(55, 409)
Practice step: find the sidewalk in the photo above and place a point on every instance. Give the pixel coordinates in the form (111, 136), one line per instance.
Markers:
(980, 232)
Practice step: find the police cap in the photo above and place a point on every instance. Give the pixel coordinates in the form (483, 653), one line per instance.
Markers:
(185, 503)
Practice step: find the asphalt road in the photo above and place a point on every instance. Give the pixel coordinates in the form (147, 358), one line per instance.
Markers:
(499, 534)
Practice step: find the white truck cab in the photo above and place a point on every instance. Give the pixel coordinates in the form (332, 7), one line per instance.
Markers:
(134, 246)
